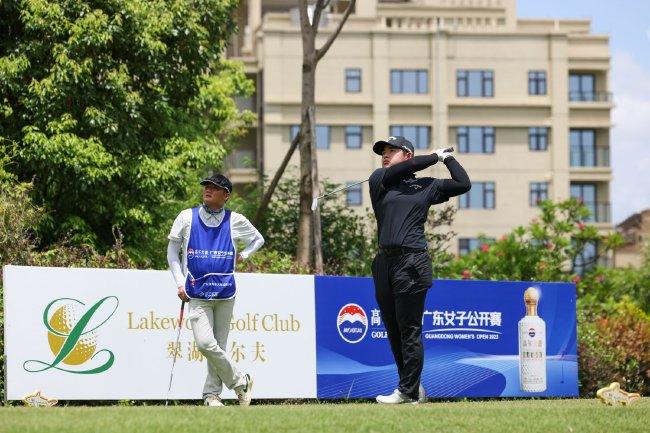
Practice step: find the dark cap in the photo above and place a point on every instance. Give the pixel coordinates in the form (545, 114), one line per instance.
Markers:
(218, 180)
(397, 142)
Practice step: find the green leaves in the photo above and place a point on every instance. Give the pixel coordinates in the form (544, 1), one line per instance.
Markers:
(545, 250)
(116, 108)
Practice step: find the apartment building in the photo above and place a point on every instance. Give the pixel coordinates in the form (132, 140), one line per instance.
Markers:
(526, 103)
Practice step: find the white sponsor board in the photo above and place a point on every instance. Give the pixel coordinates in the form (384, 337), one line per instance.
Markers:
(109, 334)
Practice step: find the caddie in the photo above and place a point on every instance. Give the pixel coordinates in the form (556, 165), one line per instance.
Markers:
(207, 236)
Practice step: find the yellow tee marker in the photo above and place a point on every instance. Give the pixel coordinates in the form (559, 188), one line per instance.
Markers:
(36, 399)
(613, 395)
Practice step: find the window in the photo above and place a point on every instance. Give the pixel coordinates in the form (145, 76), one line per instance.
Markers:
(467, 245)
(416, 134)
(322, 135)
(475, 139)
(585, 192)
(353, 136)
(538, 138)
(409, 81)
(295, 129)
(538, 192)
(537, 82)
(582, 87)
(586, 259)
(481, 196)
(582, 144)
(475, 83)
(353, 195)
(353, 80)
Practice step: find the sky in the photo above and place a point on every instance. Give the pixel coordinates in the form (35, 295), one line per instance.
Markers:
(627, 22)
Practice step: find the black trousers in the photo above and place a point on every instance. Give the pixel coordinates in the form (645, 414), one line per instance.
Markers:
(401, 283)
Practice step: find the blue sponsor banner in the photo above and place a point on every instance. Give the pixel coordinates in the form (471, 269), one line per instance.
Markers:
(478, 340)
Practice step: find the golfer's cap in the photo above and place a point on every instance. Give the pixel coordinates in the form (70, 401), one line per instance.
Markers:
(218, 180)
(398, 142)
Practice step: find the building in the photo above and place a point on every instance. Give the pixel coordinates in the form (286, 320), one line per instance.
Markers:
(636, 232)
(526, 103)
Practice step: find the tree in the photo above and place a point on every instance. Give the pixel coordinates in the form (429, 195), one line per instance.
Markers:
(113, 107)
(309, 224)
(546, 250)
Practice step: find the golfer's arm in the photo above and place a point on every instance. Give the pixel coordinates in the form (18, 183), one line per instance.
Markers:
(406, 168)
(173, 248)
(459, 182)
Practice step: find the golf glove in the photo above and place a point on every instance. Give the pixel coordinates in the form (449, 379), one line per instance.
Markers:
(442, 154)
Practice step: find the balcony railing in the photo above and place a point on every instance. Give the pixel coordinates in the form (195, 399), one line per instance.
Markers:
(600, 211)
(589, 157)
(590, 96)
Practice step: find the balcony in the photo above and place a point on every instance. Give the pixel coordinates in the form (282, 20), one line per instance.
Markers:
(576, 96)
(600, 212)
(589, 157)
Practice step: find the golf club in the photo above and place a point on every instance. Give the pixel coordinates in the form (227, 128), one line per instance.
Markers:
(180, 326)
(314, 202)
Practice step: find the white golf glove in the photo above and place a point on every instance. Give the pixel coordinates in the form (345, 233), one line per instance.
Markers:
(442, 155)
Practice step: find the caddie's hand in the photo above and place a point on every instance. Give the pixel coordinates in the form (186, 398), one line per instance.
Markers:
(182, 294)
(442, 154)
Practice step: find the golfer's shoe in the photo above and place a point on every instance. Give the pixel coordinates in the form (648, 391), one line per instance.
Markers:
(422, 395)
(613, 395)
(213, 401)
(245, 392)
(395, 398)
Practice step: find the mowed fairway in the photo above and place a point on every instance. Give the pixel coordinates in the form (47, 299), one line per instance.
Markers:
(548, 416)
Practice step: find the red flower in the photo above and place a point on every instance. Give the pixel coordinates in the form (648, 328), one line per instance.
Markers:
(550, 246)
(466, 274)
(485, 248)
(581, 226)
(576, 279)
(503, 238)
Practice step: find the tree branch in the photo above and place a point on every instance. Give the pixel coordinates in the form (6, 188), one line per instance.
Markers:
(264, 204)
(323, 50)
(318, 9)
(304, 16)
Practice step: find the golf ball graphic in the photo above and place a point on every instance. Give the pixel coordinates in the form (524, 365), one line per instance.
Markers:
(63, 321)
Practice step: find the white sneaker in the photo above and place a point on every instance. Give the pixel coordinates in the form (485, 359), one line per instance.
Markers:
(422, 395)
(245, 392)
(213, 401)
(395, 398)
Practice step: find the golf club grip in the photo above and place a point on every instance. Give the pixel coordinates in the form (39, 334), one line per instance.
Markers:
(449, 149)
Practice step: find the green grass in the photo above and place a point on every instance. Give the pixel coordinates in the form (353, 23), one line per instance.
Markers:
(527, 416)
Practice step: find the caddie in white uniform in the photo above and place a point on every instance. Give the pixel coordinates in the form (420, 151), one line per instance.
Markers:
(207, 235)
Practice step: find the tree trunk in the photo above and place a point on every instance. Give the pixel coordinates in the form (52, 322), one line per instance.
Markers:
(309, 249)
(307, 152)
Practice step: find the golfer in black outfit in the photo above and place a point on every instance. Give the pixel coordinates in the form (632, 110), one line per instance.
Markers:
(402, 269)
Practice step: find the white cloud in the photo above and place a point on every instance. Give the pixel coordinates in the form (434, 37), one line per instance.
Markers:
(630, 137)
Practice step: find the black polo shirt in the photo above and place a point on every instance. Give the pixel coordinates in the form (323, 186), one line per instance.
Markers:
(402, 209)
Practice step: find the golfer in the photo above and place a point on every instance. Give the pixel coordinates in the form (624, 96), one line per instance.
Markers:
(207, 235)
(402, 268)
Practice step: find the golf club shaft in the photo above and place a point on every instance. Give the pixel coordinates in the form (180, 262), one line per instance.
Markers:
(178, 337)
(341, 189)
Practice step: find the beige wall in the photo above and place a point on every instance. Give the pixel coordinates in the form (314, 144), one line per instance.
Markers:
(510, 50)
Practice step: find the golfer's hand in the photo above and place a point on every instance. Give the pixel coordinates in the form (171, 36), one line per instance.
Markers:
(182, 294)
(442, 154)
